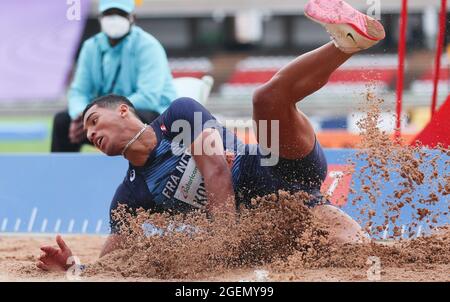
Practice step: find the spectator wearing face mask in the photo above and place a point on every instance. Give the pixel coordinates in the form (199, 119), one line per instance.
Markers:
(122, 59)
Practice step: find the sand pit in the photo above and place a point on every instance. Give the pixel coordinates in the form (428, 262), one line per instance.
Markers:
(18, 254)
(278, 238)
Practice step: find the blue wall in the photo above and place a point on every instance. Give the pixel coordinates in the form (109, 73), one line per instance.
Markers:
(74, 187)
(71, 193)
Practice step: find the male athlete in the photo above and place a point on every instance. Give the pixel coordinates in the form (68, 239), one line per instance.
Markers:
(162, 176)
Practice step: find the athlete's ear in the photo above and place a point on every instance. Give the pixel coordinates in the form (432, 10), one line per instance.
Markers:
(123, 110)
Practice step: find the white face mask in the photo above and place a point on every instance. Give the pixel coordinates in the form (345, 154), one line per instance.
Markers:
(115, 26)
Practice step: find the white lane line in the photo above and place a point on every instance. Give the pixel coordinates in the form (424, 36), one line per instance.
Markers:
(419, 231)
(57, 225)
(71, 224)
(44, 225)
(385, 233)
(17, 225)
(403, 231)
(32, 219)
(99, 225)
(4, 224)
(84, 227)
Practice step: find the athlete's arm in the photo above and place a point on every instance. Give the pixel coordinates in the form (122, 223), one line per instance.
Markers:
(112, 243)
(208, 153)
(57, 259)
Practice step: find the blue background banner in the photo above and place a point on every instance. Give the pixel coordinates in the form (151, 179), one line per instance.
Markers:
(71, 193)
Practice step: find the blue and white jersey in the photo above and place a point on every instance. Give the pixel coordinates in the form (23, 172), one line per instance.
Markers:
(171, 181)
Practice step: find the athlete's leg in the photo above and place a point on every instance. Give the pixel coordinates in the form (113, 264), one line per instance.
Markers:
(276, 100)
(343, 228)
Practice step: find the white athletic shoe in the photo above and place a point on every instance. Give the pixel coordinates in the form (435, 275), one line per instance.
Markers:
(350, 30)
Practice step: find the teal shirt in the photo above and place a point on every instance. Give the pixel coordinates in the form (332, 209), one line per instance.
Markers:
(139, 64)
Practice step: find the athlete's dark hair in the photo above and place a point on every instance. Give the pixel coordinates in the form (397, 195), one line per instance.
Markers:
(111, 101)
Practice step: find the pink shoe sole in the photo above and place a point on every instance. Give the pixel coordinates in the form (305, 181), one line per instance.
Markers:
(340, 12)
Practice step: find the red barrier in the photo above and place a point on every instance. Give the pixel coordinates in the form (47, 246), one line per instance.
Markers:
(439, 46)
(437, 131)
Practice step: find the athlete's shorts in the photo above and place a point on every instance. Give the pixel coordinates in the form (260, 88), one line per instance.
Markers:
(306, 174)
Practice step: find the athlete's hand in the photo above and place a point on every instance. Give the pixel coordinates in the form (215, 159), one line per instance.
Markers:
(76, 131)
(54, 259)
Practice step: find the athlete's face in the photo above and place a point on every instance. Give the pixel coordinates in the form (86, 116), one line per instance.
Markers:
(105, 128)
